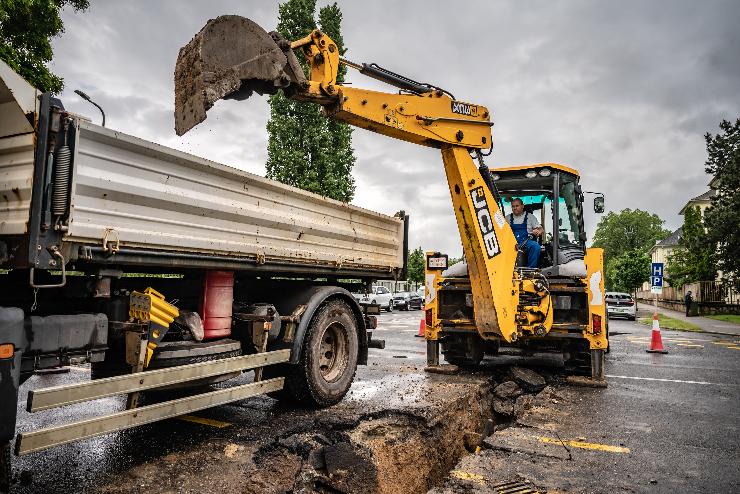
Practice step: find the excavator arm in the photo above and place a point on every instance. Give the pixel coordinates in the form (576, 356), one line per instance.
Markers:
(232, 57)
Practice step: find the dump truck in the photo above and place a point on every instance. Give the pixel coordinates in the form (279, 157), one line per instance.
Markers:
(553, 302)
(161, 269)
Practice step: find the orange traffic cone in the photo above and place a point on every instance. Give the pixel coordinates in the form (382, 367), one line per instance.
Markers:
(422, 328)
(656, 344)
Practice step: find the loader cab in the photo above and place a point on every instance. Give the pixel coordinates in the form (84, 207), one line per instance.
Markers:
(552, 194)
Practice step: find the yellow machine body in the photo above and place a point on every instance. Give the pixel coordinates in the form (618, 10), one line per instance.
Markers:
(231, 57)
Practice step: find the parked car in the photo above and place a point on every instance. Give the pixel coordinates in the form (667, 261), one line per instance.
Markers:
(416, 301)
(420, 292)
(620, 305)
(379, 295)
(407, 300)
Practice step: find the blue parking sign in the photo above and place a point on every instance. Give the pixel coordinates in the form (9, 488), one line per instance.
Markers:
(656, 277)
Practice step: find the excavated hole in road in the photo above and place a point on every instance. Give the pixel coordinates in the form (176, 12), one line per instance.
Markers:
(392, 452)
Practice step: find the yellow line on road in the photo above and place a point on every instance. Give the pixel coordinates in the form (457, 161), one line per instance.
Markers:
(687, 345)
(463, 475)
(584, 445)
(204, 421)
(733, 347)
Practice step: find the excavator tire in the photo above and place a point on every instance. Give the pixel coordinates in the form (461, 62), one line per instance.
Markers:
(578, 361)
(463, 350)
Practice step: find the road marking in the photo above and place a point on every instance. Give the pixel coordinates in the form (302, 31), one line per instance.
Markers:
(77, 368)
(584, 445)
(667, 380)
(733, 347)
(204, 421)
(474, 477)
(687, 345)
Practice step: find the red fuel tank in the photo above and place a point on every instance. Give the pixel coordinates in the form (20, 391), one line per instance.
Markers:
(216, 304)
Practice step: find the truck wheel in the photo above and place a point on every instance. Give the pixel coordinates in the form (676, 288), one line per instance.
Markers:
(5, 471)
(328, 358)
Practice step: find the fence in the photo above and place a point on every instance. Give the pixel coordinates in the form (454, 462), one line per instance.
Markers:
(714, 292)
(399, 286)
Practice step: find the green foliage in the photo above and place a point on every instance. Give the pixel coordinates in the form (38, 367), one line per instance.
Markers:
(627, 271)
(627, 231)
(693, 259)
(305, 149)
(25, 29)
(723, 217)
(415, 270)
(626, 237)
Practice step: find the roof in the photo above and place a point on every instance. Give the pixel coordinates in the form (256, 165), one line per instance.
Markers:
(670, 241)
(705, 197)
(556, 166)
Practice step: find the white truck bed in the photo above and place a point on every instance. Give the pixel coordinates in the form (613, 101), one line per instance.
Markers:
(144, 196)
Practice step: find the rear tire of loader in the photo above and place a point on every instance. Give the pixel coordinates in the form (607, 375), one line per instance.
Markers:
(5, 469)
(328, 359)
(463, 350)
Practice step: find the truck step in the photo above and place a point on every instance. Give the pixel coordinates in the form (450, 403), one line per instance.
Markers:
(29, 442)
(43, 399)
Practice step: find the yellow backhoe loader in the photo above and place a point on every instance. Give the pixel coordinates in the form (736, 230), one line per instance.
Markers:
(491, 300)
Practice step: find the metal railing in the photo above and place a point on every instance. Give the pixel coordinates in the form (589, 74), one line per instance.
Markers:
(716, 292)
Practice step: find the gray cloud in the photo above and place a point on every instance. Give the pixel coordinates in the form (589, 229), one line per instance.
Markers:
(623, 91)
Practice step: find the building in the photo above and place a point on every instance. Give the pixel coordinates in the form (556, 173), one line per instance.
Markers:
(703, 201)
(663, 248)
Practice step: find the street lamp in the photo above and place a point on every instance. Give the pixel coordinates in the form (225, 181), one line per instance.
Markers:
(87, 98)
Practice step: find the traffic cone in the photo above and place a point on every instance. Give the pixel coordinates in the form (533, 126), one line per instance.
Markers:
(422, 328)
(656, 344)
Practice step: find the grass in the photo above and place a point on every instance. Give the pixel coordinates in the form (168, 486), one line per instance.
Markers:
(733, 318)
(670, 323)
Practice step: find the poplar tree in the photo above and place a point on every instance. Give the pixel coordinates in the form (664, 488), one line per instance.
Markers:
(305, 149)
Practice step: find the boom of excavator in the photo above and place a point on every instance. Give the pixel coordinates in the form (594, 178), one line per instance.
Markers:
(232, 57)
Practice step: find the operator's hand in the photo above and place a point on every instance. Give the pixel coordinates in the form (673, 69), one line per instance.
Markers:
(538, 231)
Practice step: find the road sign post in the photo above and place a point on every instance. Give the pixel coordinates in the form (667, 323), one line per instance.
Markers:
(656, 281)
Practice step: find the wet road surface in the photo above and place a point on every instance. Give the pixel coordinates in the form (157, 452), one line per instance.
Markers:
(665, 424)
(677, 414)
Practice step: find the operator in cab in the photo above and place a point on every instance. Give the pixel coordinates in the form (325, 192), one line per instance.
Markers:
(524, 224)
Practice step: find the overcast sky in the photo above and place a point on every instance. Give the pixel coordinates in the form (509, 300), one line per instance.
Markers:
(622, 91)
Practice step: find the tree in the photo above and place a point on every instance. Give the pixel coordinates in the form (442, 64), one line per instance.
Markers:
(627, 235)
(723, 217)
(25, 29)
(305, 149)
(693, 259)
(628, 271)
(415, 269)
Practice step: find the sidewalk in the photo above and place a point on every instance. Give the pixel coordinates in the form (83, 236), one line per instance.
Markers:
(706, 324)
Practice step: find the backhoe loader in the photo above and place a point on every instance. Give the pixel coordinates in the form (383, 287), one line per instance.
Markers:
(472, 308)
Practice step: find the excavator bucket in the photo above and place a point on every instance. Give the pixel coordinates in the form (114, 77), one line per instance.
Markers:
(231, 57)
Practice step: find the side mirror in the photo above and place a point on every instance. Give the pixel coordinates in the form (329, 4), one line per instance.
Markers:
(599, 204)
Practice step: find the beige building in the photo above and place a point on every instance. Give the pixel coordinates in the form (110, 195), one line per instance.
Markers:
(663, 248)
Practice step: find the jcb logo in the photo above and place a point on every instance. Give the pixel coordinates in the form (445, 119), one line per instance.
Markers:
(464, 108)
(485, 222)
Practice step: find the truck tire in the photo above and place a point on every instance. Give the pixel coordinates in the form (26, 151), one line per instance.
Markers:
(5, 472)
(328, 359)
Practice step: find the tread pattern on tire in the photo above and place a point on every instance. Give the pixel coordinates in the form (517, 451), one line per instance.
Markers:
(298, 387)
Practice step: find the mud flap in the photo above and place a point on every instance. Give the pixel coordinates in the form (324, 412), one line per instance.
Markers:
(11, 331)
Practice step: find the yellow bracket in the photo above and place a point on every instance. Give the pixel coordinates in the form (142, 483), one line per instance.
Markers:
(150, 306)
